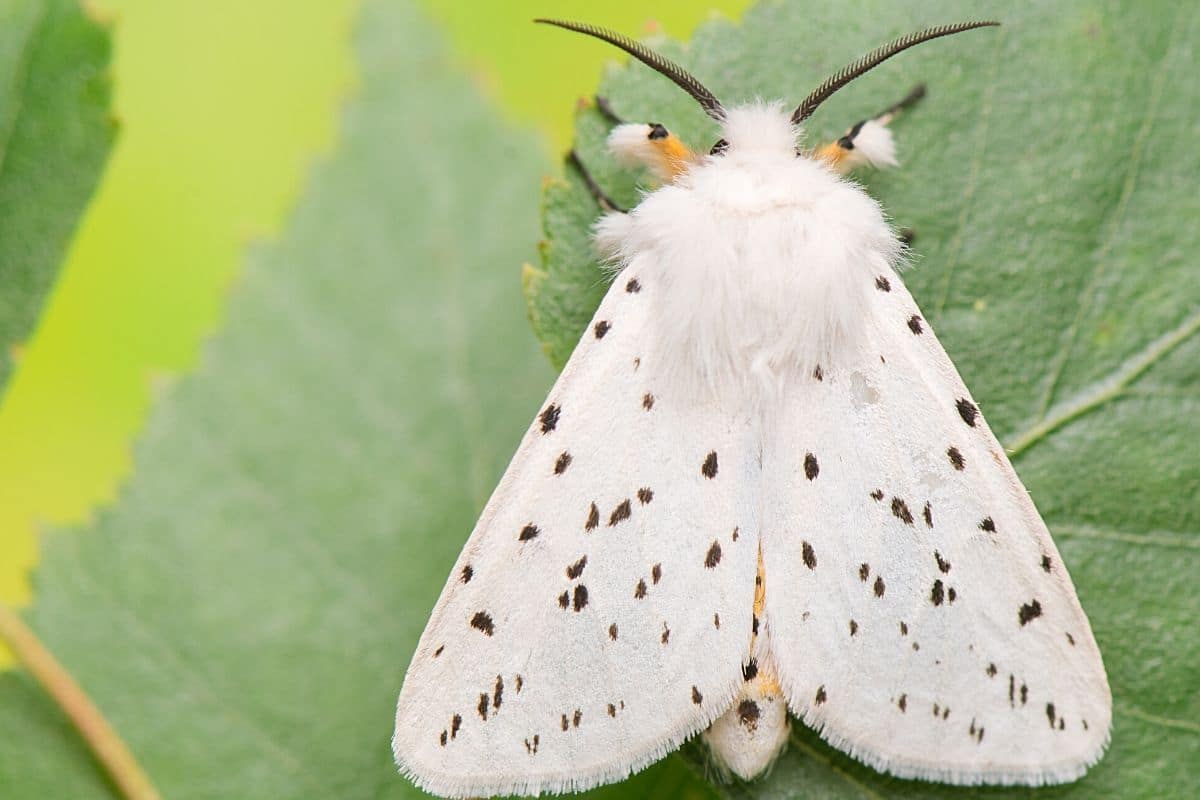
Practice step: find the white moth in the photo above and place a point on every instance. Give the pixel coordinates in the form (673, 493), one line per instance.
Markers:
(758, 486)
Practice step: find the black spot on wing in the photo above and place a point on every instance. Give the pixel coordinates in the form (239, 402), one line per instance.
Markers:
(902, 703)
(647, 401)
(901, 512)
(455, 724)
(622, 512)
(612, 631)
(818, 374)
(639, 591)
(883, 284)
(713, 556)
(601, 328)
(811, 468)
(1029, 612)
(645, 495)
(709, 468)
(956, 458)
(864, 571)
(530, 531)
(938, 593)
(821, 697)
(467, 573)
(633, 286)
(942, 564)
(987, 525)
(549, 418)
(564, 461)
(656, 574)
(697, 698)
(879, 587)
(593, 518)
(853, 627)
(750, 670)
(927, 514)
(914, 324)
(967, 410)
(482, 708)
(877, 495)
(1045, 563)
(580, 600)
(748, 714)
(482, 622)
(576, 569)
(808, 554)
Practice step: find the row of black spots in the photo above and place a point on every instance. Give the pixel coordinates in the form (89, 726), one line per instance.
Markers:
(1056, 723)
(820, 696)
(482, 622)
(1029, 612)
(633, 286)
(593, 519)
(900, 511)
(883, 284)
(645, 495)
(956, 458)
(576, 569)
(967, 410)
(902, 704)
(455, 725)
(530, 531)
(572, 721)
(1014, 693)
(940, 593)
(748, 714)
(877, 495)
(709, 468)
(601, 328)
(562, 462)
(927, 514)
(808, 554)
(576, 600)
(941, 712)
(750, 670)
(531, 745)
(987, 524)
(942, 564)
(622, 512)
(713, 557)
(665, 637)
(549, 418)
(467, 573)
(647, 401)
(914, 325)
(974, 732)
(811, 467)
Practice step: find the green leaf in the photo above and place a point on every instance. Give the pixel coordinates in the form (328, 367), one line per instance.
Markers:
(1049, 176)
(54, 136)
(245, 614)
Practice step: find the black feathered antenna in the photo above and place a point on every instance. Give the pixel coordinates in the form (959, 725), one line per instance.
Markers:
(669, 68)
(874, 59)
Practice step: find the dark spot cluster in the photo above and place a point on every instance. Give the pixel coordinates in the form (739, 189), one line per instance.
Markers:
(622, 512)
(549, 418)
(1014, 693)
(941, 712)
(482, 622)
(1056, 722)
(709, 468)
(645, 495)
(571, 721)
(1029, 612)
(877, 495)
(647, 401)
(467, 573)
(748, 714)
(576, 600)
(531, 745)
(633, 286)
(975, 732)
(750, 670)
(883, 284)
(967, 410)
(713, 556)
(811, 468)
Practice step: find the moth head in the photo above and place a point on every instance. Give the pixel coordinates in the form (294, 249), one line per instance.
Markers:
(734, 125)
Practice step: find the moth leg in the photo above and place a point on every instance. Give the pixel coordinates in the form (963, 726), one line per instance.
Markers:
(603, 200)
(868, 142)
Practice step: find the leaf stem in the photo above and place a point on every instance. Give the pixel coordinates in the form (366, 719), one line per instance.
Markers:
(100, 737)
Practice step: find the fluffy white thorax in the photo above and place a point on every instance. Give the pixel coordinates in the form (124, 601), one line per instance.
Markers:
(762, 259)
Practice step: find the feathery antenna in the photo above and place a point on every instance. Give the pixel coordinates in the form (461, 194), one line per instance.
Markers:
(874, 59)
(658, 63)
